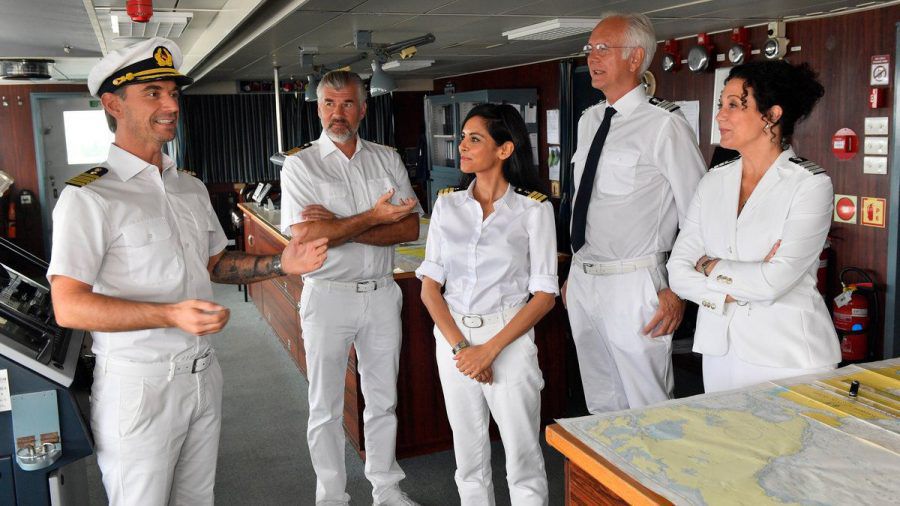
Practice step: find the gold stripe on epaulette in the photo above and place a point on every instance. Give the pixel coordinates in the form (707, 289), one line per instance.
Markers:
(87, 177)
(448, 190)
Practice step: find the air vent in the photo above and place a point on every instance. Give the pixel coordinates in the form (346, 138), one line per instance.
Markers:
(25, 68)
(163, 24)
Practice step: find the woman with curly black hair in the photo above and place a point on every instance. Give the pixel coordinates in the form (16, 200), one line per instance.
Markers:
(492, 245)
(749, 251)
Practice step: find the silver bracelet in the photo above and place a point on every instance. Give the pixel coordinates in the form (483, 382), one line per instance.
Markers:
(461, 345)
(276, 265)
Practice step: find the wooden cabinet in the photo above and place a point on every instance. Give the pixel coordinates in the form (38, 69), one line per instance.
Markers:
(422, 425)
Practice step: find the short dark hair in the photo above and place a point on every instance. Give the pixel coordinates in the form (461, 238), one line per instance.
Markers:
(504, 123)
(110, 120)
(795, 88)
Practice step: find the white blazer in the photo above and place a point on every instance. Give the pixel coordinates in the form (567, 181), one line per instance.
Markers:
(780, 319)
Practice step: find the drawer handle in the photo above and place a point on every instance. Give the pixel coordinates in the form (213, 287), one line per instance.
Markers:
(250, 239)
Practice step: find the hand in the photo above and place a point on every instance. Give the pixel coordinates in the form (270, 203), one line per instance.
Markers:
(316, 212)
(198, 317)
(774, 249)
(474, 360)
(300, 258)
(668, 316)
(562, 293)
(486, 377)
(710, 265)
(384, 212)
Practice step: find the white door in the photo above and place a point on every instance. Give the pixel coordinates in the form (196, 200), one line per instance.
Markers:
(71, 136)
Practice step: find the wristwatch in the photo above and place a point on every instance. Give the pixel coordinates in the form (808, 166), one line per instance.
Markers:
(276, 265)
(461, 345)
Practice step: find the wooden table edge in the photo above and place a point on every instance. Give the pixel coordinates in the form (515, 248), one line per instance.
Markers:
(616, 480)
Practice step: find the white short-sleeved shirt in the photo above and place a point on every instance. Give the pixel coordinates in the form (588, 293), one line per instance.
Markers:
(138, 235)
(648, 172)
(493, 264)
(322, 174)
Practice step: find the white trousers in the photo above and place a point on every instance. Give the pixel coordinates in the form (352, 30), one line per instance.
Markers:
(332, 320)
(514, 400)
(621, 367)
(729, 372)
(157, 439)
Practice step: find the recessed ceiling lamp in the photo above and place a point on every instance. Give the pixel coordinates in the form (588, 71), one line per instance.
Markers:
(559, 28)
(163, 24)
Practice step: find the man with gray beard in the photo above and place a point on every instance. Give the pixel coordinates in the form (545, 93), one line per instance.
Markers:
(357, 194)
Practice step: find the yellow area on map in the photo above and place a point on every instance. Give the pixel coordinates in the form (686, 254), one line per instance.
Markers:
(414, 251)
(716, 452)
(816, 398)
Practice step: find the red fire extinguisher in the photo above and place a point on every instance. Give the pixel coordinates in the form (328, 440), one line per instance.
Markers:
(851, 316)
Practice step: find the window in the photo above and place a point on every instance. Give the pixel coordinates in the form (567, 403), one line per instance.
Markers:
(87, 136)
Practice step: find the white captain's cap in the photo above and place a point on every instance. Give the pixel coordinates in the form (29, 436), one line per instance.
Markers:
(153, 59)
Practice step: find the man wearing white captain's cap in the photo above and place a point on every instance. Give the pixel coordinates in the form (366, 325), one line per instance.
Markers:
(135, 246)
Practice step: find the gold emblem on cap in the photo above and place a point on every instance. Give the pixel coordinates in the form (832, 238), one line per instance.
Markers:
(163, 57)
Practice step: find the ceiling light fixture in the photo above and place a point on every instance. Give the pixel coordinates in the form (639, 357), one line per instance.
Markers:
(406, 65)
(559, 28)
(381, 83)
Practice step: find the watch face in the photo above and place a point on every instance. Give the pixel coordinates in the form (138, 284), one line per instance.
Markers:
(698, 59)
(668, 63)
(771, 49)
(736, 54)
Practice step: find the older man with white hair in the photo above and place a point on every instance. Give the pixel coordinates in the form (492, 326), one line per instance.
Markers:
(341, 187)
(636, 168)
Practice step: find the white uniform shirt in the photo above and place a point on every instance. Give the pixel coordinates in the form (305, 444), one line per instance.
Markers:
(781, 320)
(138, 235)
(490, 265)
(321, 174)
(648, 172)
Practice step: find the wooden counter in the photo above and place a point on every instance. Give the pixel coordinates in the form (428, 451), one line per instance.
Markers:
(421, 415)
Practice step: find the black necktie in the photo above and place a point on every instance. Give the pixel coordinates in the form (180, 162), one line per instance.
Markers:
(583, 198)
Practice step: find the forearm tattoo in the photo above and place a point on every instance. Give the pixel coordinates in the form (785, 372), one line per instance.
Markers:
(238, 268)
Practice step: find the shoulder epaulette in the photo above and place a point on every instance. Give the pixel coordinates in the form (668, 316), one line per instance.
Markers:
(812, 167)
(591, 107)
(87, 177)
(188, 172)
(533, 195)
(450, 189)
(664, 104)
(722, 164)
(294, 151)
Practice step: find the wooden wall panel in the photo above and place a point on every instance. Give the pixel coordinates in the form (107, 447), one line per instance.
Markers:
(17, 156)
(840, 49)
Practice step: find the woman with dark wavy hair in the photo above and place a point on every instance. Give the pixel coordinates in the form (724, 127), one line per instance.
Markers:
(492, 246)
(750, 248)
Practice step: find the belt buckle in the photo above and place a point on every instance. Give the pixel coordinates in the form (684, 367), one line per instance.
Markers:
(472, 321)
(363, 286)
(200, 364)
(586, 266)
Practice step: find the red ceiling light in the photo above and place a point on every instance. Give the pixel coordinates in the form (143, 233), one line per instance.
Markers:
(140, 11)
